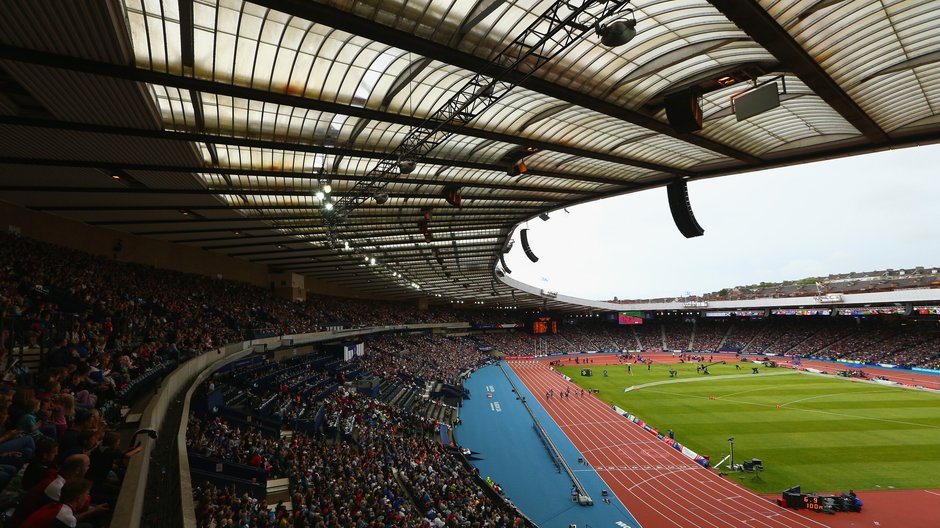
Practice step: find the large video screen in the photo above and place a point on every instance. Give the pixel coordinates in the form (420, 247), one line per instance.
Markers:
(630, 318)
(544, 325)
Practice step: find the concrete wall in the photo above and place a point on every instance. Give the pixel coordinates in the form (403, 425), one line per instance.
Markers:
(129, 507)
(100, 241)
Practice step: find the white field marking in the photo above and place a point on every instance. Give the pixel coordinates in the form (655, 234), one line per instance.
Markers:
(818, 411)
(825, 395)
(710, 378)
(746, 391)
(496, 407)
(932, 492)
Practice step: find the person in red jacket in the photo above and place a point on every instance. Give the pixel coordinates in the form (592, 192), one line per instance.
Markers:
(48, 490)
(65, 513)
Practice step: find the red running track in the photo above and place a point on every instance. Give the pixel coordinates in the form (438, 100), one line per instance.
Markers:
(656, 483)
(904, 377)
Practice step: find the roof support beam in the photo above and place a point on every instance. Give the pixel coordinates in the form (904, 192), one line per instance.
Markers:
(760, 26)
(379, 253)
(412, 245)
(313, 228)
(264, 144)
(258, 207)
(322, 238)
(259, 192)
(450, 212)
(323, 264)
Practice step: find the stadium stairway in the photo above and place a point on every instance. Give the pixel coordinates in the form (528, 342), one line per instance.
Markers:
(725, 336)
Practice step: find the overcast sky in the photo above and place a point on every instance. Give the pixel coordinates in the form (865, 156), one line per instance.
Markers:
(862, 213)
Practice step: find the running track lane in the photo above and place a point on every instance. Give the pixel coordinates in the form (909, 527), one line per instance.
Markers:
(655, 482)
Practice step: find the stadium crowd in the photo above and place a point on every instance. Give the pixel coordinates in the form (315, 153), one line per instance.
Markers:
(369, 464)
(424, 357)
(106, 326)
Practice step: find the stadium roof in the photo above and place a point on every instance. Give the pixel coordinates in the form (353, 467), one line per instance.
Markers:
(215, 123)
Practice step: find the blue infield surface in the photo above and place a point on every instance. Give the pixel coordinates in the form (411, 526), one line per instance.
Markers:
(500, 432)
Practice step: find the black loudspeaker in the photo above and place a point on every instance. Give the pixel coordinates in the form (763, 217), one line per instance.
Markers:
(503, 262)
(525, 246)
(451, 193)
(683, 111)
(681, 210)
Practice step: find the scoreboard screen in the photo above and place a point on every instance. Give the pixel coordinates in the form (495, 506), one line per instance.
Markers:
(630, 318)
(544, 325)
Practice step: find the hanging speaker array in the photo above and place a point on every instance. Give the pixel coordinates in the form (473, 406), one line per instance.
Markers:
(681, 209)
(524, 236)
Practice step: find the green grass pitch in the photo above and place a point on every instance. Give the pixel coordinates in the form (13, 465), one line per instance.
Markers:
(823, 433)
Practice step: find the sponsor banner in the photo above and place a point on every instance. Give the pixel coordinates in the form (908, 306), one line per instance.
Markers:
(873, 310)
(850, 361)
(520, 357)
(688, 453)
(499, 326)
(801, 311)
(887, 365)
(925, 370)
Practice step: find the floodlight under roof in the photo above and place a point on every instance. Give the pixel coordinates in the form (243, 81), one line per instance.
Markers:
(618, 32)
(406, 165)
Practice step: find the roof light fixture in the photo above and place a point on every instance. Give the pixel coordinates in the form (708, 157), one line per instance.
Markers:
(619, 30)
(407, 165)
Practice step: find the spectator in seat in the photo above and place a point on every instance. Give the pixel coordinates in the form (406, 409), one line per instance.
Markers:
(42, 463)
(69, 511)
(48, 490)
